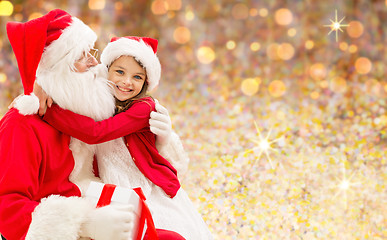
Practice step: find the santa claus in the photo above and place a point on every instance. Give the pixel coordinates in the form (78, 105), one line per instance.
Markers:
(43, 171)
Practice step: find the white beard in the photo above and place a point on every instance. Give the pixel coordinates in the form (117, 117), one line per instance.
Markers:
(82, 93)
(88, 95)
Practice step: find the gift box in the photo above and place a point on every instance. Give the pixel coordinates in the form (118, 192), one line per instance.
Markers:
(105, 194)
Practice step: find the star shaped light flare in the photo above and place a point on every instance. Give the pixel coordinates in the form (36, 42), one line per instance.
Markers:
(336, 25)
(263, 145)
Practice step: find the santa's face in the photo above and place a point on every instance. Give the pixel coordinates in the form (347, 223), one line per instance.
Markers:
(127, 77)
(85, 62)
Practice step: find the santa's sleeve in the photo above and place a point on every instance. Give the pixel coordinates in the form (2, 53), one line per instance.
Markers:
(22, 214)
(174, 152)
(92, 132)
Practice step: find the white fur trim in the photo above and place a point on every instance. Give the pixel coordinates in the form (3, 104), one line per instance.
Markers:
(72, 43)
(140, 51)
(58, 217)
(175, 154)
(82, 173)
(27, 104)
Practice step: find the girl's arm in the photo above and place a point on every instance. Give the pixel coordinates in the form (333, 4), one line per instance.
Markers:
(92, 132)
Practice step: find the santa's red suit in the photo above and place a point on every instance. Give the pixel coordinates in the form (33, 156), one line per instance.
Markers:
(35, 164)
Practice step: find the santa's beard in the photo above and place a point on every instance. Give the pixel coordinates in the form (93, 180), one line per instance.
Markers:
(82, 93)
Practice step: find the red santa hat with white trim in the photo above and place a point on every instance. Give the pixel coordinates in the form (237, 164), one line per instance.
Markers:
(143, 49)
(42, 44)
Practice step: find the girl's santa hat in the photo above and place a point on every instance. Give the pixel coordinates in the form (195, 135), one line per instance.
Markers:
(43, 44)
(143, 49)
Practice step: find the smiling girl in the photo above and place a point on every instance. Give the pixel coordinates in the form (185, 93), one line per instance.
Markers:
(134, 69)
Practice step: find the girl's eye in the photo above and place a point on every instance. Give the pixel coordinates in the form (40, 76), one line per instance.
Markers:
(138, 77)
(120, 72)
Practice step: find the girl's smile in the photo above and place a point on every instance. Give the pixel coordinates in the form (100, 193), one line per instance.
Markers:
(124, 89)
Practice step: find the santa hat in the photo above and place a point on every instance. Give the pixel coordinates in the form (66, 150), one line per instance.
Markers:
(51, 40)
(143, 49)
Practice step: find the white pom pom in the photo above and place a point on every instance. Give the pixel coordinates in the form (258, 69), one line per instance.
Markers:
(27, 104)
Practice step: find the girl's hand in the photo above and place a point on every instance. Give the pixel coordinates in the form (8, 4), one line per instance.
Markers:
(160, 124)
(44, 99)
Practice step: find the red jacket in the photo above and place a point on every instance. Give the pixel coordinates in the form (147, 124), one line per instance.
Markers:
(35, 162)
(133, 125)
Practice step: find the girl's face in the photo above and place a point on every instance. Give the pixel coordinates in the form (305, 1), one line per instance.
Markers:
(127, 76)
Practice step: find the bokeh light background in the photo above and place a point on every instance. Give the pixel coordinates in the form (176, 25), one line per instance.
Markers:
(286, 127)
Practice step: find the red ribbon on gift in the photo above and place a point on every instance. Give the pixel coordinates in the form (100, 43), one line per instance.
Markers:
(106, 198)
(145, 215)
(106, 195)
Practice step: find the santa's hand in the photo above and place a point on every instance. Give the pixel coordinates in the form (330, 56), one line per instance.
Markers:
(44, 99)
(160, 124)
(109, 222)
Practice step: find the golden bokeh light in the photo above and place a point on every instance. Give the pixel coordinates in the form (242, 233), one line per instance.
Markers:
(255, 46)
(3, 77)
(363, 65)
(277, 88)
(318, 71)
(217, 7)
(118, 6)
(285, 51)
(240, 11)
(343, 46)
(189, 15)
(1, 44)
(283, 16)
(34, 15)
(292, 32)
(6, 8)
(263, 12)
(171, 14)
(250, 86)
(373, 87)
(97, 4)
(159, 7)
(230, 44)
(205, 55)
(352, 48)
(324, 84)
(173, 5)
(18, 17)
(309, 44)
(182, 35)
(253, 12)
(355, 29)
(338, 85)
(272, 51)
(314, 95)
